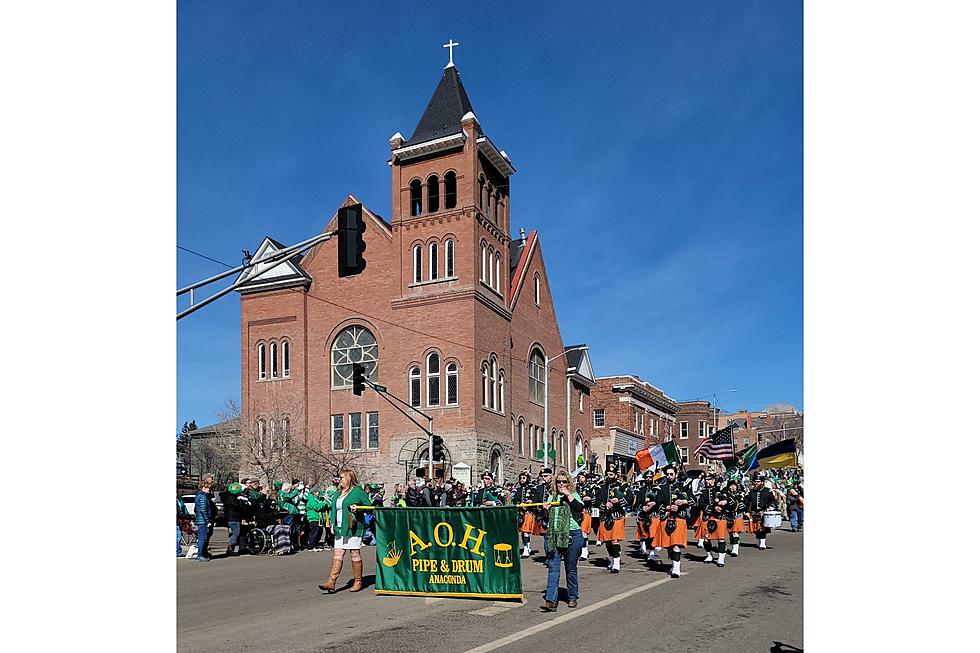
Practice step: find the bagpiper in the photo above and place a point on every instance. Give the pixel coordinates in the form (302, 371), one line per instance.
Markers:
(541, 492)
(734, 508)
(671, 534)
(758, 500)
(612, 516)
(528, 526)
(646, 513)
(711, 523)
(584, 488)
(488, 494)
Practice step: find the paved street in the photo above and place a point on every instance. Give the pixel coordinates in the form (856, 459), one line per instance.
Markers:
(266, 603)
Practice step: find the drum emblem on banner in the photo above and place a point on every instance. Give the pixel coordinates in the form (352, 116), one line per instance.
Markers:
(502, 555)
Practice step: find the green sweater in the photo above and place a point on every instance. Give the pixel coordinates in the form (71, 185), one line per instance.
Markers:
(286, 502)
(356, 497)
(314, 509)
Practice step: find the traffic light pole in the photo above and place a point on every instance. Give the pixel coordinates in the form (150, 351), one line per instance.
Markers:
(387, 396)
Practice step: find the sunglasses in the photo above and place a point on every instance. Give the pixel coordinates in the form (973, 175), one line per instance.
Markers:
(562, 482)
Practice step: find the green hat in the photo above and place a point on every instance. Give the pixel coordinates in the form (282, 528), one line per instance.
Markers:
(235, 488)
(277, 484)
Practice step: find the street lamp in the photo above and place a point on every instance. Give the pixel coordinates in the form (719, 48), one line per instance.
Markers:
(547, 373)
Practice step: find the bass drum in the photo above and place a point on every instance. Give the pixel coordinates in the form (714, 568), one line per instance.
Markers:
(772, 519)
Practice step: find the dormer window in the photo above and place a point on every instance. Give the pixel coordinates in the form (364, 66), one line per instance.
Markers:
(415, 192)
(450, 183)
(433, 185)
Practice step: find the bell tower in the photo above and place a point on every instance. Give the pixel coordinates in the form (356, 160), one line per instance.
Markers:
(450, 199)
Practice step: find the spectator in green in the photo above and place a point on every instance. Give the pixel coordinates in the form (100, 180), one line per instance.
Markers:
(315, 507)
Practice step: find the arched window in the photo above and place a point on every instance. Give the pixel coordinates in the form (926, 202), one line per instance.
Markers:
(552, 444)
(490, 266)
(562, 451)
(450, 182)
(355, 344)
(496, 281)
(496, 207)
(493, 384)
(489, 192)
(285, 358)
(500, 391)
(285, 433)
(433, 261)
(483, 182)
(486, 386)
(496, 464)
(432, 377)
(483, 261)
(433, 184)
(415, 193)
(274, 350)
(452, 384)
(450, 259)
(520, 437)
(261, 360)
(536, 374)
(415, 386)
(260, 436)
(417, 263)
(537, 289)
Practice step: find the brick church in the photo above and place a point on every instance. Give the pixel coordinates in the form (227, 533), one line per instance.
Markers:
(452, 315)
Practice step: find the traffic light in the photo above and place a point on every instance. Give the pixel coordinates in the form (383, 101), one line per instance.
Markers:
(350, 240)
(437, 451)
(358, 379)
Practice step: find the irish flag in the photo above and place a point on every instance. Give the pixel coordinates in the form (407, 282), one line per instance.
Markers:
(661, 454)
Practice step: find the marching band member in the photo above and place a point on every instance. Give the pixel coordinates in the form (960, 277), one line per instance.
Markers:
(524, 493)
(612, 515)
(712, 526)
(758, 500)
(733, 509)
(488, 494)
(646, 501)
(541, 492)
(671, 534)
(584, 487)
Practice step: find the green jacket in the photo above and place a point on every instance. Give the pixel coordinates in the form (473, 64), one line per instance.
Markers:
(286, 502)
(314, 508)
(356, 497)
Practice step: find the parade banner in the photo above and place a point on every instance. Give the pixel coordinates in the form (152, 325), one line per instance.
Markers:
(466, 552)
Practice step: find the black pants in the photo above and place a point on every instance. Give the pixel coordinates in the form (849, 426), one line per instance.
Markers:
(313, 537)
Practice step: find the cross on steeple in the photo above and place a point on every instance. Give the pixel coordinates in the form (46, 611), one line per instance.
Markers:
(450, 45)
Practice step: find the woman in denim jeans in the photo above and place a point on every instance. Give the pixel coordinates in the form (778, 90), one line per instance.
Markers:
(563, 539)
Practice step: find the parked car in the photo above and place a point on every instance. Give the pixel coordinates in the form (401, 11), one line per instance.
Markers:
(220, 520)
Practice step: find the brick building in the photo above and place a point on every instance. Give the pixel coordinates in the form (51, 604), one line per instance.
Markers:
(451, 315)
(629, 414)
(764, 427)
(696, 422)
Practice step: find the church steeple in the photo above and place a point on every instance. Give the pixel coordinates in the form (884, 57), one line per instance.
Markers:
(446, 109)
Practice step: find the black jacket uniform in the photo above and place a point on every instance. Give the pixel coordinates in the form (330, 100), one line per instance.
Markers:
(492, 493)
(667, 493)
(604, 494)
(758, 501)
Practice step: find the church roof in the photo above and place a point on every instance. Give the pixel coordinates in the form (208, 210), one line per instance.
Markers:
(445, 111)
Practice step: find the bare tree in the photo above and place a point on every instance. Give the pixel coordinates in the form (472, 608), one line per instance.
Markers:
(215, 455)
(320, 462)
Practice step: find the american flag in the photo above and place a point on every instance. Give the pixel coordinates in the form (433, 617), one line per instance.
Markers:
(720, 446)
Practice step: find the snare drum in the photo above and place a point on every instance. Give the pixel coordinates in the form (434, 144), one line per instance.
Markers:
(772, 519)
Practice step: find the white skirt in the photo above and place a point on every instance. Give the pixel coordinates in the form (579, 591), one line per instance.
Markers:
(347, 543)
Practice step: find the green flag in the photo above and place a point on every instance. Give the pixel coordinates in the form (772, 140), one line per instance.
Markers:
(742, 460)
(670, 451)
(468, 552)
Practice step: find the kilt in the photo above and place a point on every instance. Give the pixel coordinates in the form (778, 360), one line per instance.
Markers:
(721, 532)
(738, 526)
(642, 531)
(586, 524)
(700, 528)
(677, 538)
(530, 525)
(617, 532)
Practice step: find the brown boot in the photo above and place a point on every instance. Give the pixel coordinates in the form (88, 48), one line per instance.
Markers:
(358, 566)
(329, 588)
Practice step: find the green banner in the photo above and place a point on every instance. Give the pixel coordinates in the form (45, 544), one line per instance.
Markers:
(469, 552)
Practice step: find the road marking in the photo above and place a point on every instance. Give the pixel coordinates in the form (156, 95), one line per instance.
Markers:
(429, 600)
(533, 630)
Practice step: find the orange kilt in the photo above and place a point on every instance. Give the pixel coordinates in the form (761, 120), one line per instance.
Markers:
(586, 524)
(677, 538)
(617, 532)
(721, 532)
(700, 528)
(738, 526)
(530, 525)
(642, 531)
(754, 526)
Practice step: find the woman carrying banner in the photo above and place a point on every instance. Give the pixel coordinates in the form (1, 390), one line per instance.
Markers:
(348, 528)
(563, 539)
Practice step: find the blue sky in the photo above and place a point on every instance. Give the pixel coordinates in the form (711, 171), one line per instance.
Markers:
(659, 150)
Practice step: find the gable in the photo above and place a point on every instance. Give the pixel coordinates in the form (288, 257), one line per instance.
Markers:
(280, 274)
(374, 223)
